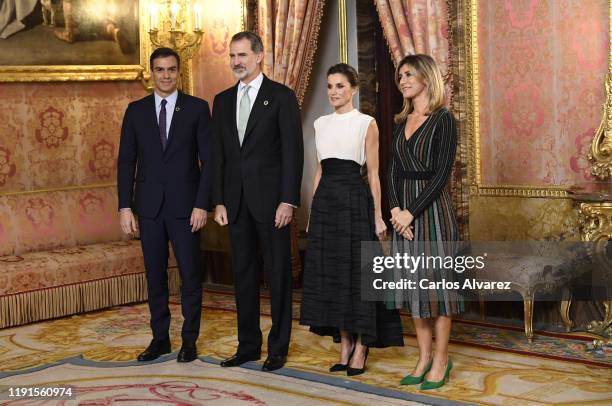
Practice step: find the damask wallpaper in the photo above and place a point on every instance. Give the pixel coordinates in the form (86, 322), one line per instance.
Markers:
(56, 135)
(60, 136)
(542, 70)
(211, 72)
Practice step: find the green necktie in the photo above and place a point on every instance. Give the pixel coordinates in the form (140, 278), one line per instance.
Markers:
(243, 113)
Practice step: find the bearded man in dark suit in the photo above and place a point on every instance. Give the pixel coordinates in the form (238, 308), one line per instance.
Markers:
(258, 159)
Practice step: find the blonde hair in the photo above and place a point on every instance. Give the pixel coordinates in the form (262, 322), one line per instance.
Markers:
(424, 68)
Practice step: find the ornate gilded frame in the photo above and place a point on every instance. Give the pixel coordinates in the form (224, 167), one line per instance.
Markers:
(600, 154)
(602, 143)
(63, 73)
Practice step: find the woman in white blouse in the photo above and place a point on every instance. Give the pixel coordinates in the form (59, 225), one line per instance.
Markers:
(345, 212)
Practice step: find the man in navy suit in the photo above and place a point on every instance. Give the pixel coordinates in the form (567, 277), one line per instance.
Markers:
(164, 151)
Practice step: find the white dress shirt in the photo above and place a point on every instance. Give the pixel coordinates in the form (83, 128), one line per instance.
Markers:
(170, 106)
(253, 90)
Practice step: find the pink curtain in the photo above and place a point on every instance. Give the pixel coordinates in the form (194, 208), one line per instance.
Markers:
(290, 30)
(416, 27)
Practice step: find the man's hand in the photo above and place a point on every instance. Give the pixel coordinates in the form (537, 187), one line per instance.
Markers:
(198, 219)
(221, 215)
(128, 221)
(284, 213)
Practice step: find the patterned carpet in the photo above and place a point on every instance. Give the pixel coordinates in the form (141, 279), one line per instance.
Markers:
(569, 347)
(196, 383)
(80, 350)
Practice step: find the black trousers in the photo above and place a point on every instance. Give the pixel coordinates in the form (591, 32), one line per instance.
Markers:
(276, 250)
(154, 235)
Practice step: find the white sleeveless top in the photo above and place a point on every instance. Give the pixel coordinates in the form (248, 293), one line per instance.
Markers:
(342, 136)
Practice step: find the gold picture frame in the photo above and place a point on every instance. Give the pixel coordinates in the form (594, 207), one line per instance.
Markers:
(472, 80)
(64, 73)
(600, 155)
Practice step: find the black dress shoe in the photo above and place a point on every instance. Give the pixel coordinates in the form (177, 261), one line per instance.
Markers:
(274, 362)
(239, 359)
(154, 350)
(187, 353)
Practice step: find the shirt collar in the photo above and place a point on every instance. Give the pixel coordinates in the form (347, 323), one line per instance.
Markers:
(255, 83)
(171, 99)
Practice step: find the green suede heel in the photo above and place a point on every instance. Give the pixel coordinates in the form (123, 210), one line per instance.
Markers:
(414, 380)
(426, 385)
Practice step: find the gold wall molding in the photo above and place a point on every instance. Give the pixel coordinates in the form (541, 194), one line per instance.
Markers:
(602, 144)
(59, 189)
(600, 154)
(554, 192)
(66, 73)
(342, 32)
(70, 73)
(244, 15)
(473, 94)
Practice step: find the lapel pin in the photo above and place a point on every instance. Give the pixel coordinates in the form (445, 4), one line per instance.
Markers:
(266, 102)
(177, 109)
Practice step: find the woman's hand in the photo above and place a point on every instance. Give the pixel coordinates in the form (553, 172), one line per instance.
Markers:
(401, 221)
(381, 228)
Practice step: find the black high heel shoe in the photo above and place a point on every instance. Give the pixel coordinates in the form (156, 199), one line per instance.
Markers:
(342, 367)
(358, 371)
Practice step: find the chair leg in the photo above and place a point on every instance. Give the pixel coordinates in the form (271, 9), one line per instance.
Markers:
(528, 297)
(608, 317)
(566, 303)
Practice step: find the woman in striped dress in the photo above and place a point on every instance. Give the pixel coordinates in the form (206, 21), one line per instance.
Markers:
(423, 150)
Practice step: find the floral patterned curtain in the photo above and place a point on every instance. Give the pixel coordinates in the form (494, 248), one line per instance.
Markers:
(416, 27)
(289, 30)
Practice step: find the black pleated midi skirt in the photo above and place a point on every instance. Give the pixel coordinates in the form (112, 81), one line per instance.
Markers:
(342, 216)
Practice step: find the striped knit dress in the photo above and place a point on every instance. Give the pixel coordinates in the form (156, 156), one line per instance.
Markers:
(418, 175)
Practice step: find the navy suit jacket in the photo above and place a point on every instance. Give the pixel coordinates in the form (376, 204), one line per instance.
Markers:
(180, 176)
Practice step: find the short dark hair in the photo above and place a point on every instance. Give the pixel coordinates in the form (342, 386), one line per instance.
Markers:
(164, 53)
(347, 70)
(256, 43)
